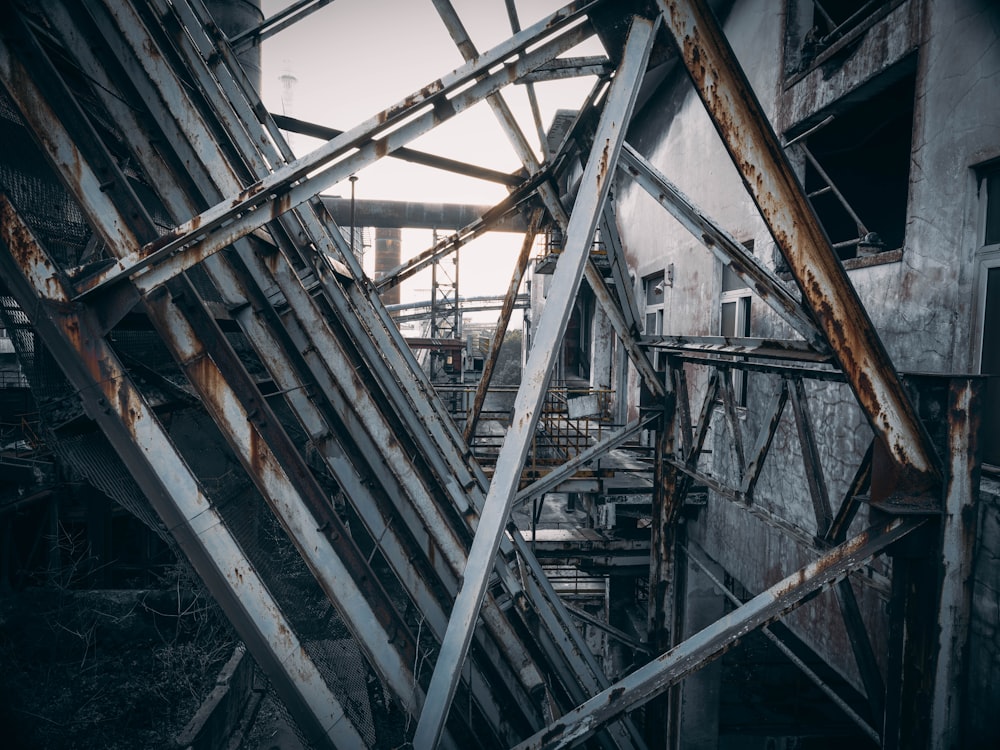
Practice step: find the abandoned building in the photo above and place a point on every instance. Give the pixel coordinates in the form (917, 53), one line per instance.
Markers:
(743, 493)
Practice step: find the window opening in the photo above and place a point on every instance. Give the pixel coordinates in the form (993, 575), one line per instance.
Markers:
(653, 292)
(857, 171)
(735, 319)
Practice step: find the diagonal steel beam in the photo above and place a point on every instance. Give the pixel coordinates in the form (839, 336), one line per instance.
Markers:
(74, 338)
(726, 247)
(527, 406)
(552, 479)
(293, 183)
(423, 158)
(655, 677)
(500, 331)
(276, 23)
(757, 154)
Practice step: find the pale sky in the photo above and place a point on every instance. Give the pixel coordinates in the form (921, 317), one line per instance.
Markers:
(354, 58)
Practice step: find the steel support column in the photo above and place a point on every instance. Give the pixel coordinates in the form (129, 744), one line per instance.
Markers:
(527, 406)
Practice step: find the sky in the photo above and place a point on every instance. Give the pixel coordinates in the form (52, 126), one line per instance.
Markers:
(353, 58)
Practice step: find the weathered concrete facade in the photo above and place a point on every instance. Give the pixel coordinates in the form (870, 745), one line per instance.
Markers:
(923, 294)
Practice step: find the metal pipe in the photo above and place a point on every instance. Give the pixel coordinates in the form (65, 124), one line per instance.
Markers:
(768, 177)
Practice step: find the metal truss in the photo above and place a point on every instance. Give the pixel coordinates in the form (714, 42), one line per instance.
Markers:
(213, 230)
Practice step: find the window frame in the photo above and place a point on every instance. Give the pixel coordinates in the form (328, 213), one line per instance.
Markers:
(987, 257)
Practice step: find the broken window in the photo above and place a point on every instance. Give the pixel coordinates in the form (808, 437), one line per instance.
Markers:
(989, 314)
(815, 26)
(735, 319)
(857, 168)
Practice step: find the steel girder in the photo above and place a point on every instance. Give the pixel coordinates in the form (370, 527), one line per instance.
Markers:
(278, 288)
(527, 406)
(76, 339)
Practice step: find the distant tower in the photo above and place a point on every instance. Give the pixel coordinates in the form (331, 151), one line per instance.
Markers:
(288, 83)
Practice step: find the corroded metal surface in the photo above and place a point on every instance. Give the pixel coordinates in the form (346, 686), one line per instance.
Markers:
(768, 177)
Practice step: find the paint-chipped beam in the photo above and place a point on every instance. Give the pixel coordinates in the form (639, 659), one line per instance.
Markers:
(72, 336)
(757, 154)
(723, 245)
(527, 406)
(292, 184)
(313, 130)
(654, 678)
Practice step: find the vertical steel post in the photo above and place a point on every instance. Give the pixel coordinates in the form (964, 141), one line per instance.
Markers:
(768, 177)
(551, 325)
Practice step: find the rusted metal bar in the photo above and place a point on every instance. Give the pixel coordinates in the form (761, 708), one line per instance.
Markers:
(791, 656)
(314, 130)
(849, 506)
(810, 458)
(682, 394)
(768, 177)
(733, 421)
(763, 444)
(652, 679)
(570, 67)
(527, 405)
(624, 289)
(496, 342)
(291, 185)
(790, 350)
(724, 246)
(108, 394)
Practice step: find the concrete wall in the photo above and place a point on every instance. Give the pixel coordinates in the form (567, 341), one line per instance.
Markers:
(921, 301)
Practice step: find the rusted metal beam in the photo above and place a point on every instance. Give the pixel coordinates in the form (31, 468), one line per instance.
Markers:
(738, 347)
(570, 67)
(830, 693)
(763, 444)
(851, 503)
(527, 405)
(109, 396)
(652, 679)
(496, 342)
(810, 458)
(724, 246)
(414, 156)
(771, 182)
(958, 547)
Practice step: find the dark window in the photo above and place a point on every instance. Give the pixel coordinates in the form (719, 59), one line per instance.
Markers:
(989, 360)
(857, 171)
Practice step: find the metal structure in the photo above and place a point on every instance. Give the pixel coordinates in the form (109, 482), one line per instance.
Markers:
(214, 243)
